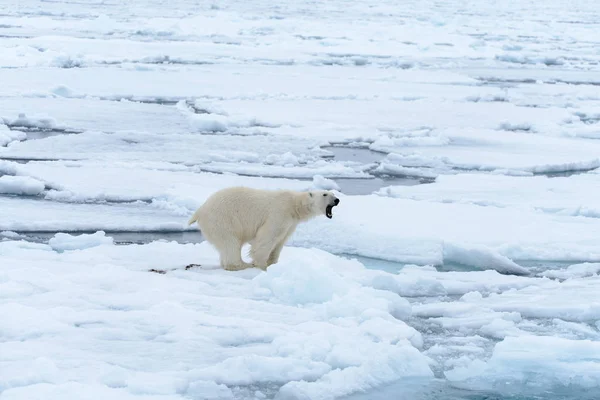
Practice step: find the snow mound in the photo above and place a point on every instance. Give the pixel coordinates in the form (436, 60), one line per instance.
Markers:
(574, 271)
(309, 284)
(10, 168)
(63, 91)
(38, 121)
(209, 123)
(207, 118)
(64, 241)
(10, 234)
(20, 185)
(481, 257)
(67, 61)
(320, 182)
(286, 159)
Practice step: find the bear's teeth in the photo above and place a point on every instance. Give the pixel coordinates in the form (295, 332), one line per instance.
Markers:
(328, 210)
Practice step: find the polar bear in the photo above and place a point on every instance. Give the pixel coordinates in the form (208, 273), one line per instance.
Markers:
(265, 219)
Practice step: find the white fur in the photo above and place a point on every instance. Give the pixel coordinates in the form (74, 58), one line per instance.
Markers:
(266, 219)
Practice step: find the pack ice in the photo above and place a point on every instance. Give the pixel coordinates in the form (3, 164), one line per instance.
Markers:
(461, 137)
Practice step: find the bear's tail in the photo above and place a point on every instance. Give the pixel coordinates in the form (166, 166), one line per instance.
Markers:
(193, 218)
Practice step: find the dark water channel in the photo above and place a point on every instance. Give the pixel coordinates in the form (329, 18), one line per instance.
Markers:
(358, 186)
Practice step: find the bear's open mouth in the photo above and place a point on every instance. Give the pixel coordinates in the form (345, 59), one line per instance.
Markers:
(328, 212)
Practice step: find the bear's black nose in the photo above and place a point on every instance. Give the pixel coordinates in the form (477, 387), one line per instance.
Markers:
(336, 202)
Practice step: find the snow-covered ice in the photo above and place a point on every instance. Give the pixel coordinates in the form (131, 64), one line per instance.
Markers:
(64, 241)
(481, 277)
(544, 362)
(91, 314)
(7, 136)
(20, 185)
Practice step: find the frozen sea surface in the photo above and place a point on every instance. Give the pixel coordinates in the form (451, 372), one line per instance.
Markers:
(463, 141)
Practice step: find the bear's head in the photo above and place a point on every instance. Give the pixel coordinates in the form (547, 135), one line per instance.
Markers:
(322, 202)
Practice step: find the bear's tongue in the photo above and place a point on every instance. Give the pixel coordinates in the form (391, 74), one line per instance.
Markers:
(328, 212)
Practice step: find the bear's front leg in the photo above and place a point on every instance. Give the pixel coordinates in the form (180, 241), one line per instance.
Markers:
(260, 256)
(274, 256)
(276, 252)
(267, 238)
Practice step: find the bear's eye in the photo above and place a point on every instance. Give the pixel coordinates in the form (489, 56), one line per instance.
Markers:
(324, 194)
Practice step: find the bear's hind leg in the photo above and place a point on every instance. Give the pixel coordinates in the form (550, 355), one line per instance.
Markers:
(230, 252)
